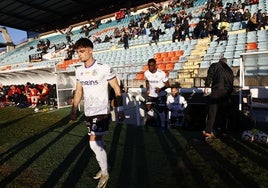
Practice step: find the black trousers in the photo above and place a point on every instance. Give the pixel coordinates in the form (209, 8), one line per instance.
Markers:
(219, 111)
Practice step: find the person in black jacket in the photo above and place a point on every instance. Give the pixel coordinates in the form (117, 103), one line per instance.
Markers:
(220, 78)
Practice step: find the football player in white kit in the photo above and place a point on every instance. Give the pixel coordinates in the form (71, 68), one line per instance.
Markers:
(156, 85)
(92, 84)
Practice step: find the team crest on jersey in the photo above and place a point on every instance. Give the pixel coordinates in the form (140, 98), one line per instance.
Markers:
(94, 72)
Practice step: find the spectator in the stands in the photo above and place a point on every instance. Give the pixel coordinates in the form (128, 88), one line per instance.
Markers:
(107, 38)
(252, 23)
(230, 15)
(246, 14)
(70, 52)
(68, 37)
(159, 31)
(238, 16)
(84, 29)
(125, 39)
(117, 33)
(155, 37)
(209, 15)
(143, 31)
(202, 28)
(31, 48)
(176, 35)
(211, 30)
(169, 24)
(149, 25)
(245, 18)
(97, 40)
(259, 19)
(48, 44)
(223, 35)
(264, 21)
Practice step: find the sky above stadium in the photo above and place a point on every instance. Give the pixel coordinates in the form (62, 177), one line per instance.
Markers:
(16, 35)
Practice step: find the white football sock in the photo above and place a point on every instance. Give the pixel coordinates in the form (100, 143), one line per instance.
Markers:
(101, 156)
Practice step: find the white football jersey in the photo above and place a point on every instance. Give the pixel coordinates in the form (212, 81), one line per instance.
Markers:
(94, 80)
(155, 80)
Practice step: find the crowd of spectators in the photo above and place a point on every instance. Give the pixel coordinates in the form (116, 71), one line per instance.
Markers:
(28, 95)
(42, 45)
(213, 22)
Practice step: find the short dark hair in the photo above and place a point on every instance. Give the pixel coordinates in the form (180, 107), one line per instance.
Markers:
(152, 60)
(223, 60)
(83, 42)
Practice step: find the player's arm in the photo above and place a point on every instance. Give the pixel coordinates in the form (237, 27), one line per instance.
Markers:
(165, 86)
(76, 100)
(119, 99)
(147, 87)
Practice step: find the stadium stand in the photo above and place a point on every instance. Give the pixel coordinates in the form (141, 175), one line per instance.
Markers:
(185, 61)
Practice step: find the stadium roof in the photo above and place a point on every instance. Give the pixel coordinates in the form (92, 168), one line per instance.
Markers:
(46, 15)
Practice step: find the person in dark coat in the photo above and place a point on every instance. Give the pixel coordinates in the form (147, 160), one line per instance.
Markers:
(220, 78)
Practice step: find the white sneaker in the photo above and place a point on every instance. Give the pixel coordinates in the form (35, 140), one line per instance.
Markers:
(98, 175)
(103, 181)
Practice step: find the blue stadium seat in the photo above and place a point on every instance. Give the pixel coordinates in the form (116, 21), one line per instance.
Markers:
(251, 71)
(263, 70)
(236, 62)
(263, 59)
(263, 46)
(250, 61)
(204, 64)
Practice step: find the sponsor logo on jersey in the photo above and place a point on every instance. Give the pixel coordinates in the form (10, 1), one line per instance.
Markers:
(90, 82)
(153, 81)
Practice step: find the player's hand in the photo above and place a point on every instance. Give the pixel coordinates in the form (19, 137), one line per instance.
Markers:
(73, 115)
(121, 116)
(157, 89)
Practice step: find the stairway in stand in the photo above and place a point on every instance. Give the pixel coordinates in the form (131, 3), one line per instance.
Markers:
(187, 76)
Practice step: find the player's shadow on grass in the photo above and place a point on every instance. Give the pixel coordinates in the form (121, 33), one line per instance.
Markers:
(22, 145)
(133, 153)
(6, 124)
(228, 172)
(256, 153)
(77, 169)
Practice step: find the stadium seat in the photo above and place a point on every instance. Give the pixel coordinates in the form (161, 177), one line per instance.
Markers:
(251, 37)
(240, 47)
(236, 62)
(178, 66)
(204, 64)
(140, 76)
(169, 66)
(251, 46)
(263, 46)
(211, 50)
(230, 48)
(250, 61)
(251, 71)
(208, 57)
(263, 71)
(161, 66)
(228, 54)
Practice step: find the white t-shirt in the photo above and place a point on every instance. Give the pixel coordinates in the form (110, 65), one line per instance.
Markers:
(94, 80)
(155, 80)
